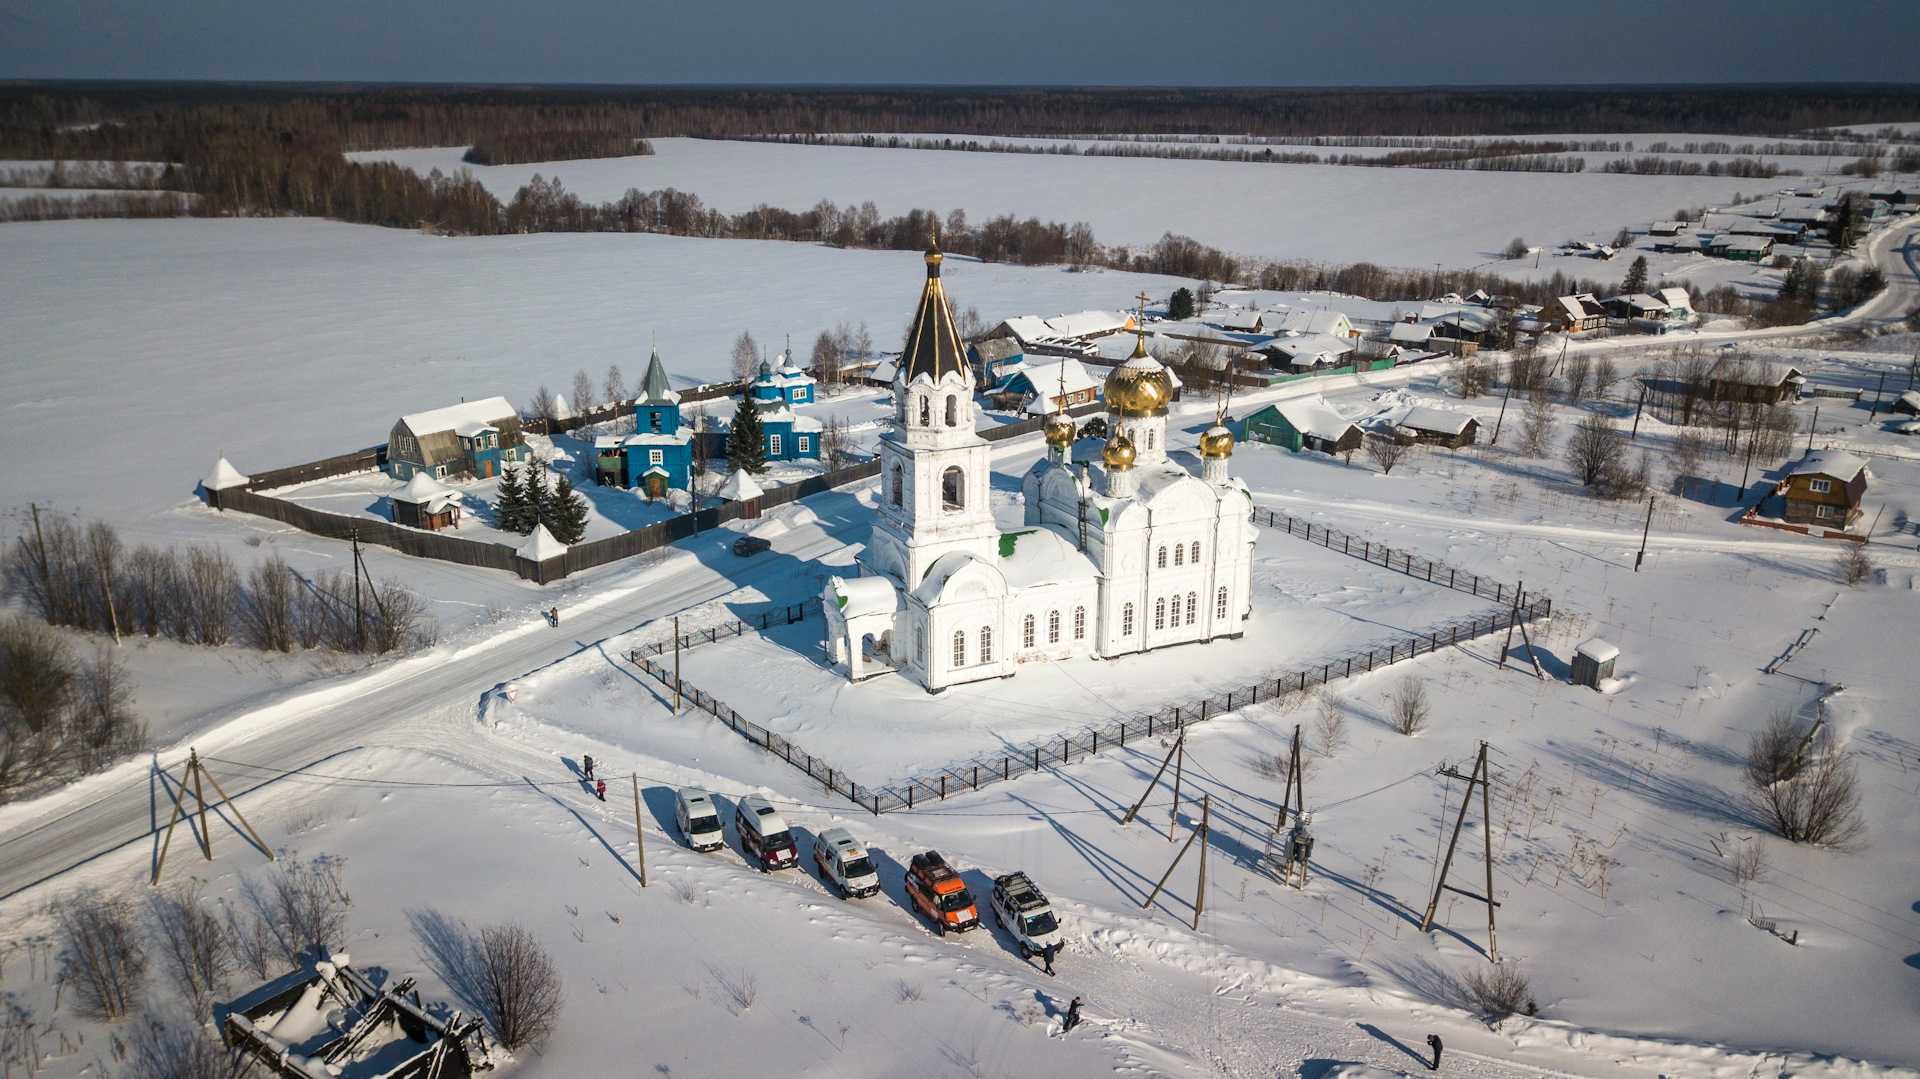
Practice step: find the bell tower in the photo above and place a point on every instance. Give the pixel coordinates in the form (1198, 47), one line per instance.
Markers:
(934, 468)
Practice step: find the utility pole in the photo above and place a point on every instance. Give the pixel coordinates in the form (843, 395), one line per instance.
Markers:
(1519, 590)
(1293, 798)
(1647, 531)
(359, 632)
(1635, 436)
(194, 773)
(676, 664)
(639, 834)
(1155, 781)
(1747, 472)
(1876, 397)
(1811, 426)
(1502, 418)
(1179, 765)
(1480, 776)
(1200, 887)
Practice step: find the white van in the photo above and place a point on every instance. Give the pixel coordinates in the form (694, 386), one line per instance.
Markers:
(765, 839)
(844, 864)
(699, 820)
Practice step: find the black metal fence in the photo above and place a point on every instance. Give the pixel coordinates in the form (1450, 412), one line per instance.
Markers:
(783, 616)
(975, 773)
(1380, 555)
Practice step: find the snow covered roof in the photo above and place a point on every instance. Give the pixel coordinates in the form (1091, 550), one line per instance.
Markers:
(1313, 416)
(1043, 556)
(1302, 320)
(474, 429)
(1052, 377)
(1911, 399)
(865, 595)
(661, 438)
(223, 476)
(1410, 333)
(1839, 464)
(1027, 328)
(1314, 344)
(1598, 650)
(541, 546)
(1088, 323)
(424, 490)
(1426, 418)
(1676, 298)
(1241, 321)
(740, 487)
(486, 412)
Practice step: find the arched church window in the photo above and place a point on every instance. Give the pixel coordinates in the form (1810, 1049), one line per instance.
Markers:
(919, 646)
(953, 410)
(1160, 613)
(1160, 560)
(953, 489)
(959, 647)
(1220, 604)
(1179, 555)
(1026, 632)
(1126, 620)
(1149, 438)
(1053, 627)
(897, 495)
(986, 644)
(926, 412)
(1193, 607)
(1196, 552)
(1080, 622)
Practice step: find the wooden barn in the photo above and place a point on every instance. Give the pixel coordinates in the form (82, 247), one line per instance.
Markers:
(426, 503)
(1439, 427)
(1307, 423)
(1825, 487)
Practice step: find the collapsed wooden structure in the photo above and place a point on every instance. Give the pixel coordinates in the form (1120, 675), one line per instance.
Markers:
(329, 1020)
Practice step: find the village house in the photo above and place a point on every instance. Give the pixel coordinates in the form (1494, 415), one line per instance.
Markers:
(1907, 403)
(1318, 320)
(474, 438)
(1438, 426)
(1744, 382)
(1739, 248)
(1235, 320)
(1306, 423)
(1309, 352)
(1042, 386)
(992, 359)
(426, 503)
(1825, 487)
(1679, 304)
(1062, 334)
(1572, 314)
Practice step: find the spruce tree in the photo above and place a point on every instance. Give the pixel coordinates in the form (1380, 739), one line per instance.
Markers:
(1840, 230)
(747, 441)
(566, 513)
(1636, 276)
(510, 508)
(535, 495)
(1181, 305)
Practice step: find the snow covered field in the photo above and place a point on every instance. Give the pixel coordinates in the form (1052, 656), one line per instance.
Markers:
(1395, 217)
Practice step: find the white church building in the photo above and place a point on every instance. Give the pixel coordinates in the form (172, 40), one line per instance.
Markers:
(1135, 555)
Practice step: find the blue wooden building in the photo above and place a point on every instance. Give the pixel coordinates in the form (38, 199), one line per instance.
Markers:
(787, 385)
(475, 439)
(658, 456)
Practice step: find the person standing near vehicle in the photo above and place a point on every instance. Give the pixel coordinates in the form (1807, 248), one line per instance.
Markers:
(1433, 1042)
(586, 766)
(1073, 1017)
(1046, 955)
(600, 789)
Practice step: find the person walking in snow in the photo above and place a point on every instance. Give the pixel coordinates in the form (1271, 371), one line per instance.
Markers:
(553, 617)
(1433, 1042)
(600, 789)
(1073, 1017)
(1046, 955)
(586, 765)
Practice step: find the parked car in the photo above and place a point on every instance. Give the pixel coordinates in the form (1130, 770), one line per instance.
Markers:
(750, 545)
(1021, 908)
(844, 865)
(764, 837)
(936, 891)
(699, 819)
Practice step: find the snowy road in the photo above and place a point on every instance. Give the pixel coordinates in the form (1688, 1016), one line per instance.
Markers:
(103, 813)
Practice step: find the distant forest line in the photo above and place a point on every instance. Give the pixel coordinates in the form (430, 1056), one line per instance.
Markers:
(239, 150)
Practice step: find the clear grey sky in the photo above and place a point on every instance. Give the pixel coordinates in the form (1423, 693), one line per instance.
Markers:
(1076, 42)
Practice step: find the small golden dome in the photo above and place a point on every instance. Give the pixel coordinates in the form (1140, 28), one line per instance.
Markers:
(1117, 454)
(1059, 429)
(1140, 387)
(1217, 441)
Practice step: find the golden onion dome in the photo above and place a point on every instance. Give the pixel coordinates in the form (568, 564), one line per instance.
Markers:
(1117, 454)
(1140, 387)
(1216, 441)
(1059, 429)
